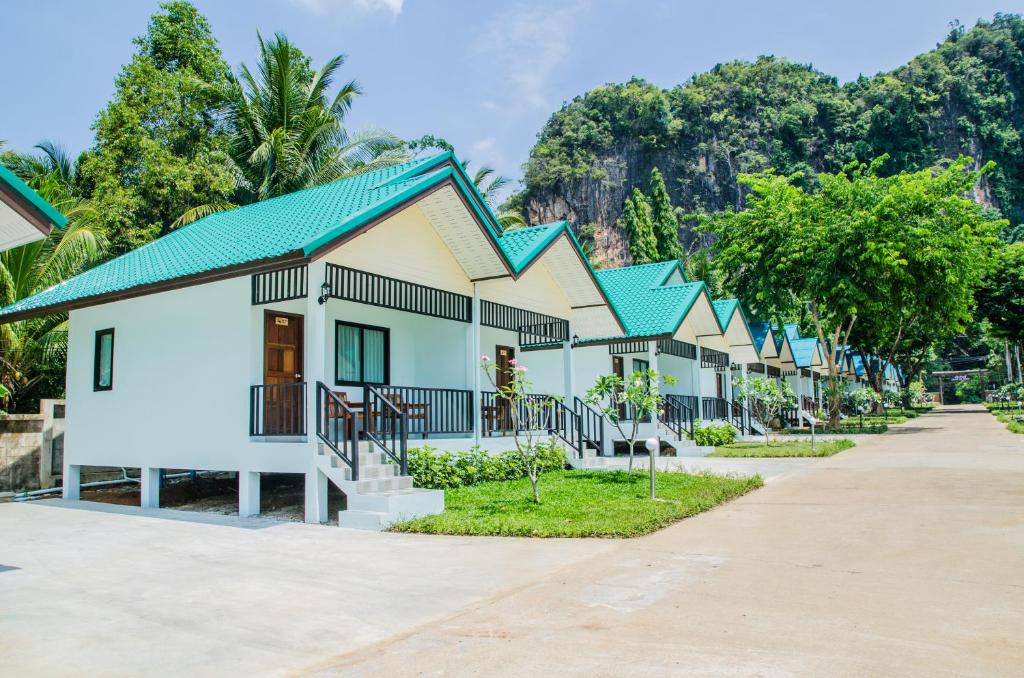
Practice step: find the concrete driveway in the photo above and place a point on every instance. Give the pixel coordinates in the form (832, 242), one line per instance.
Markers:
(902, 556)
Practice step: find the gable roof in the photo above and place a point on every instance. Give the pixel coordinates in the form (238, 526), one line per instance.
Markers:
(288, 228)
(24, 215)
(805, 351)
(647, 306)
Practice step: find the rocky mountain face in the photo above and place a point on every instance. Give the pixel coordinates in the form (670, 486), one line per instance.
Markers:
(963, 98)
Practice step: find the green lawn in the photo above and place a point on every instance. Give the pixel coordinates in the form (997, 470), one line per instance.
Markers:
(579, 504)
(783, 449)
(1009, 417)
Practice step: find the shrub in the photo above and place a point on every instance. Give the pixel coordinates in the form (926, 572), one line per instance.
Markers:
(445, 470)
(713, 434)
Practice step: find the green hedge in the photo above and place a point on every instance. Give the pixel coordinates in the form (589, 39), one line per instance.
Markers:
(713, 435)
(445, 470)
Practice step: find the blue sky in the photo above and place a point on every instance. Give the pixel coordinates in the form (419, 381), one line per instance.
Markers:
(484, 75)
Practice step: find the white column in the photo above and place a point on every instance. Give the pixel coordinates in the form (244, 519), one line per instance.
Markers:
(314, 343)
(150, 487)
(728, 382)
(72, 481)
(474, 361)
(697, 385)
(743, 376)
(248, 493)
(569, 370)
(652, 360)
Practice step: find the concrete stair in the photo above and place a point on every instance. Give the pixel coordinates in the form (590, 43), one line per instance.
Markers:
(380, 497)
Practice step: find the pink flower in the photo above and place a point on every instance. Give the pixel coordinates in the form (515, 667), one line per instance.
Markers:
(520, 368)
(485, 359)
(513, 362)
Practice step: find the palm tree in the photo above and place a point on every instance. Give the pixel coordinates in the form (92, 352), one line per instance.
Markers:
(35, 349)
(488, 184)
(286, 134)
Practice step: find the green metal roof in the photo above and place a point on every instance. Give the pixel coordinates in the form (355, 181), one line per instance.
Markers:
(724, 309)
(522, 245)
(11, 180)
(646, 305)
(296, 224)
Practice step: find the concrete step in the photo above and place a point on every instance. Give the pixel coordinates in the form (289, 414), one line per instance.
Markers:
(370, 485)
(363, 520)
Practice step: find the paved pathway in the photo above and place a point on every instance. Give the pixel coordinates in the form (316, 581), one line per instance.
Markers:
(903, 556)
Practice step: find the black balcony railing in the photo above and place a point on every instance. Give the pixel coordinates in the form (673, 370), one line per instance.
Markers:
(709, 357)
(337, 427)
(431, 411)
(591, 425)
(277, 409)
(678, 416)
(714, 408)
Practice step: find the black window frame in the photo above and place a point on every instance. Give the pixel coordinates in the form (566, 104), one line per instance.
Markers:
(362, 363)
(98, 348)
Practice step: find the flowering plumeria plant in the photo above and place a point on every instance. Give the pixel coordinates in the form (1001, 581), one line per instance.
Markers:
(638, 398)
(767, 398)
(530, 417)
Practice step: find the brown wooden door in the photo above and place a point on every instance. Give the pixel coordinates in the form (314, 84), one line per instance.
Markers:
(720, 384)
(503, 378)
(619, 370)
(282, 374)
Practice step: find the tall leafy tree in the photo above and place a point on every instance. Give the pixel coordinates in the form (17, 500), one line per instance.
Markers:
(33, 352)
(287, 133)
(870, 257)
(666, 226)
(638, 223)
(160, 148)
(1001, 297)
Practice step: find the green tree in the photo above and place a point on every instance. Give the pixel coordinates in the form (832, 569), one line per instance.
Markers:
(767, 397)
(904, 251)
(1001, 297)
(638, 223)
(639, 397)
(33, 352)
(666, 226)
(287, 134)
(160, 148)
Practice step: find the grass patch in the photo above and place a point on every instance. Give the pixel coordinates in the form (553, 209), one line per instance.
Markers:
(579, 504)
(1008, 417)
(845, 429)
(788, 448)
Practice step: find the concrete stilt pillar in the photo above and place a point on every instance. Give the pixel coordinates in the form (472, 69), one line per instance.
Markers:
(316, 496)
(248, 493)
(150, 487)
(72, 481)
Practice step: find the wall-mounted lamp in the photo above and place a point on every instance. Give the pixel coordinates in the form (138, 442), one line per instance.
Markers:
(325, 292)
(575, 338)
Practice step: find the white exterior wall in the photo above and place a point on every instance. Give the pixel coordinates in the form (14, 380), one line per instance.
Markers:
(681, 369)
(183, 364)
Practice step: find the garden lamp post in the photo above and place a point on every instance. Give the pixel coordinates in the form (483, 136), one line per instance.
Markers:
(653, 446)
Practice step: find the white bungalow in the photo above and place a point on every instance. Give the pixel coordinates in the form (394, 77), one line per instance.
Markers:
(316, 333)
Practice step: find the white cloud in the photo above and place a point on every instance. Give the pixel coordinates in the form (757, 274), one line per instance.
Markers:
(323, 7)
(527, 45)
(486, 152)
